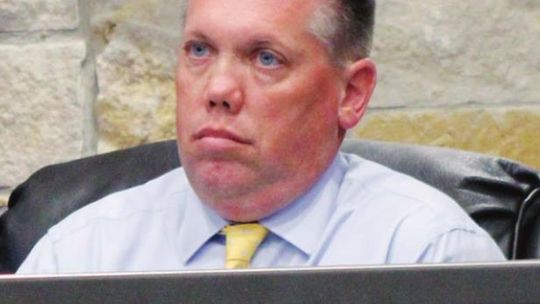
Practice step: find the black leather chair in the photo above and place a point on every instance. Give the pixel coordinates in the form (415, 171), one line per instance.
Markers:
(501, 195)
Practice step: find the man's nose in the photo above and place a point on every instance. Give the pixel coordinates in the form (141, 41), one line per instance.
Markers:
(224, 91)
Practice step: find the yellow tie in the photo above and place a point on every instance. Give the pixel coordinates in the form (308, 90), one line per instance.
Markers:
(242, 241)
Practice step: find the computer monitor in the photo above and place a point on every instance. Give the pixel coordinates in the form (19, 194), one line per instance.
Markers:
(507, 282)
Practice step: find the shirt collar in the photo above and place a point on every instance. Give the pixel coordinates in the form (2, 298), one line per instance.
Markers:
(300, 223)
(303, 221)
(199, 224)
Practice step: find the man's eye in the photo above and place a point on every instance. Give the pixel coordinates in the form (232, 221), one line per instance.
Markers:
(198, 49)
(267, 59)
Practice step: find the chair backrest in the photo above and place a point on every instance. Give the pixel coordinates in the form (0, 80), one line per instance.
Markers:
(501, 195)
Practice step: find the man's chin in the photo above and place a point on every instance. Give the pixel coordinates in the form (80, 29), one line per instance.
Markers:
(231, 201)
(240, 215)
(222, 180)
(242, 208)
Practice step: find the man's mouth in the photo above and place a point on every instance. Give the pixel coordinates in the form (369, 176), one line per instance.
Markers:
(220, 135)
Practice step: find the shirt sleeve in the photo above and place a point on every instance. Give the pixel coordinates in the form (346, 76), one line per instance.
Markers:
(41, 260)
(461, 246)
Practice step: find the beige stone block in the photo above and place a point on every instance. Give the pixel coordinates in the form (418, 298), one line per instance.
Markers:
(432, 52)
(136, 42)
(41, 115)
(136, 102)
(506, 132)
(107, 16)
(42, 15)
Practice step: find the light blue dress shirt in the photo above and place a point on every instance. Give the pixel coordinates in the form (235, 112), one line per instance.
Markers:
(358, 213)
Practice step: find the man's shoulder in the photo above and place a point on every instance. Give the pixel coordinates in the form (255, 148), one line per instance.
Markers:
(152, 197)
(372, 178)
(372, 188)
(409, 216)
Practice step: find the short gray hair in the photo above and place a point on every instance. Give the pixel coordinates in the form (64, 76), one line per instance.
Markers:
(345, 27)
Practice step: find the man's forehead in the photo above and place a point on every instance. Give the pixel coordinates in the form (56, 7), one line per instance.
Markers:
(272, 11)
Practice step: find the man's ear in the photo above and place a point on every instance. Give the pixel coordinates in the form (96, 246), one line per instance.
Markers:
(361, 77)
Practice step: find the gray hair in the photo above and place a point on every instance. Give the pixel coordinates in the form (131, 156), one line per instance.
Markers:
(345, 27)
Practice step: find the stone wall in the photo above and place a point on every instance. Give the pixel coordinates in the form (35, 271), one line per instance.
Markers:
(81, 77)
(47, 87)
(459, 74)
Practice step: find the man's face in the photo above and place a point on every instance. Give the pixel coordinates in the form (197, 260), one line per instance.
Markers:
(258, 101)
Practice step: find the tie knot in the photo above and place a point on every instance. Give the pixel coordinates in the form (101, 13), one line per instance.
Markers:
(242, 241)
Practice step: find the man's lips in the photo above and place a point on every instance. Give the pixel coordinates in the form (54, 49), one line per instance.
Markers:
(220, 134)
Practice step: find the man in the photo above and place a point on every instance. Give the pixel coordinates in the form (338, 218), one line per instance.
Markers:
(266, 92)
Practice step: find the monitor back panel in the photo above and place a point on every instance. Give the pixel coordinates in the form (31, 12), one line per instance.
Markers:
(516, 282)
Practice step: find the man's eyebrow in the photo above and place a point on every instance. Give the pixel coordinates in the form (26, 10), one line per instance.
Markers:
(260, 42)
(197, 35)
(266, 41)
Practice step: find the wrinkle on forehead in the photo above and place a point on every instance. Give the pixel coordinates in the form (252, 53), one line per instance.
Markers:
(298, 12)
